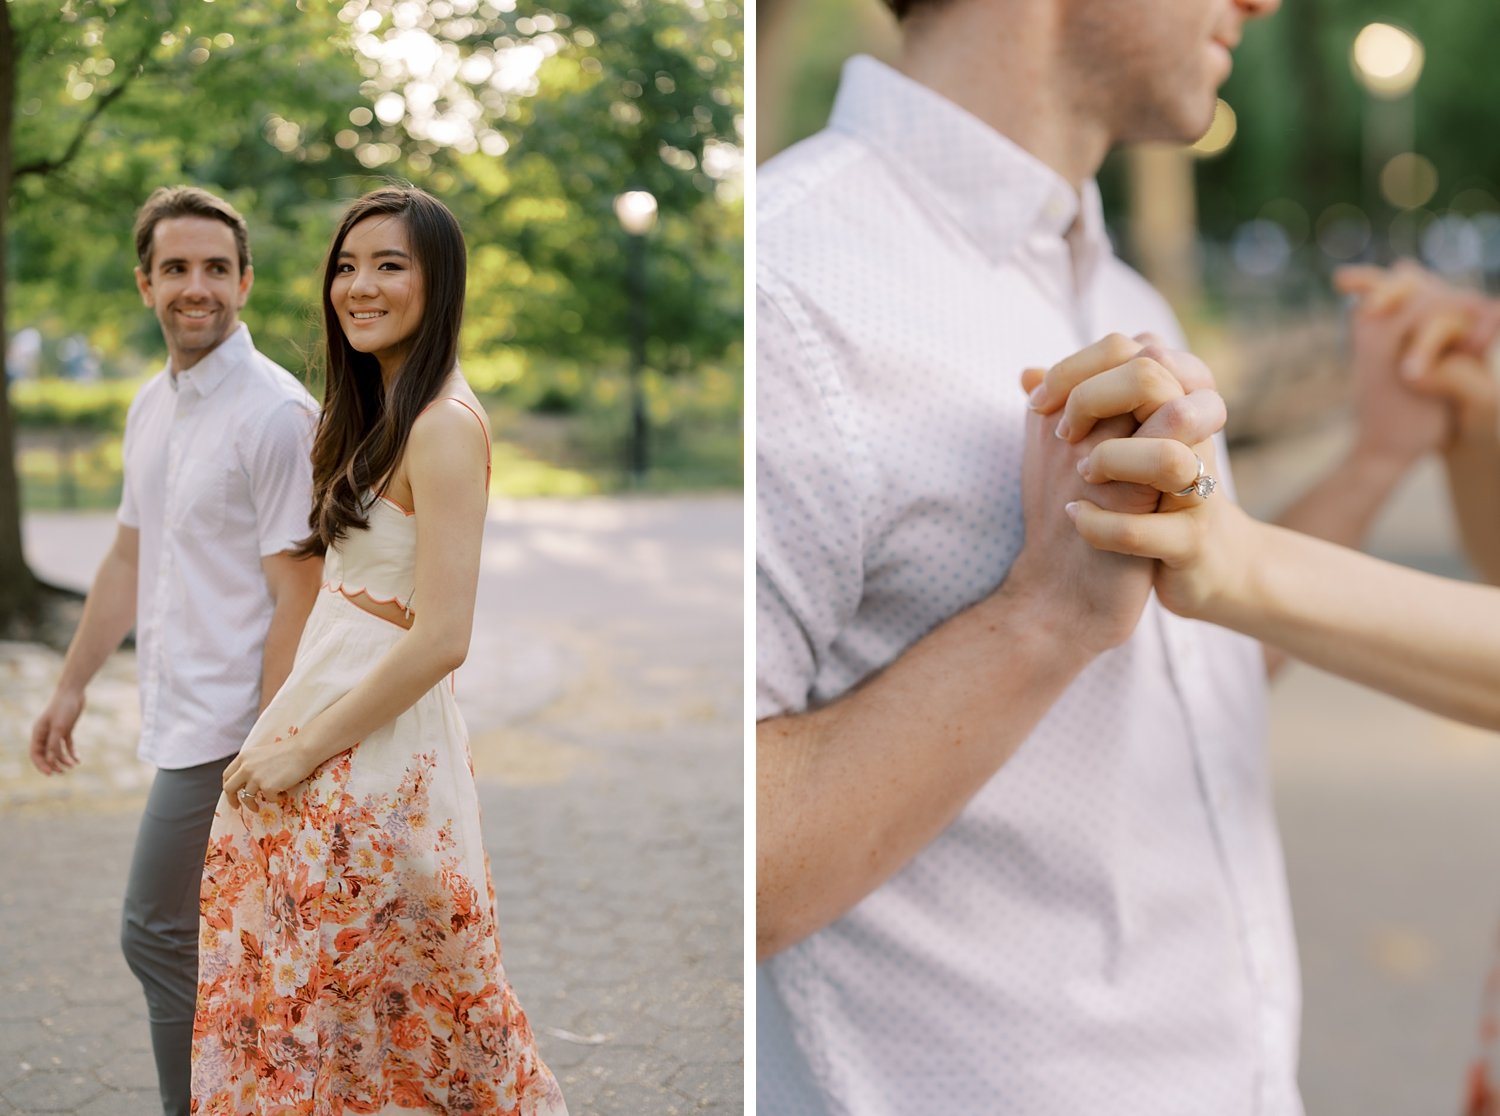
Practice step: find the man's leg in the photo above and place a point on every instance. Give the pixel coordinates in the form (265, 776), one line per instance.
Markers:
(159, 932)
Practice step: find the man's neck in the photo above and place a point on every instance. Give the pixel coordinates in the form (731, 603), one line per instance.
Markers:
(1011, 78)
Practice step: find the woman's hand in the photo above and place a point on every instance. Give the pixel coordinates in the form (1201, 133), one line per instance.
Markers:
(1206, 547)
(269, 766)
(1097, 396)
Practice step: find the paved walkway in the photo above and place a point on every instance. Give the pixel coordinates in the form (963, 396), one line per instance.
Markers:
(603, 693)
(1390, 819)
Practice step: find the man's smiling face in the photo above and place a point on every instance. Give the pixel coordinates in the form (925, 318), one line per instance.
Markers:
(195, 285)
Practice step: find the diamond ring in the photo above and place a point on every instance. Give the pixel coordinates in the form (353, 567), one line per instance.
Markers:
(1203, 485)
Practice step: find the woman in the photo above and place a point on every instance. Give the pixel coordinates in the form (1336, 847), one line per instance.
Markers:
(349, 957)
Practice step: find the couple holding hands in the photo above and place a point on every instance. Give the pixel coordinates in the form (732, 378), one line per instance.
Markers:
(1016, 848)
(1428, 640)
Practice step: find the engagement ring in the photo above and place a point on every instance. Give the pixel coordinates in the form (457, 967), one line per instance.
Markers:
(1203, 486)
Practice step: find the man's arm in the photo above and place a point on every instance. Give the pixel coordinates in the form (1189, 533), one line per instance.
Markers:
(108, 615)
(293, 584)
(848, 794)
(1473, 463)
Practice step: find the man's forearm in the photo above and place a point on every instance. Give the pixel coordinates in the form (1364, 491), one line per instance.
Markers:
(282, 637)
(1342, 506)
(849, 794)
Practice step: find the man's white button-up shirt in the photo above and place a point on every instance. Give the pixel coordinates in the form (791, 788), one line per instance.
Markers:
(1105, 927)
(218, 475)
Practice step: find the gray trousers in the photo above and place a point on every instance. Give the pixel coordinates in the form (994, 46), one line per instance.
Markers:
(159, 931)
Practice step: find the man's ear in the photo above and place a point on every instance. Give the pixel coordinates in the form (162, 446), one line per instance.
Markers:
(143, 284)
(247, 280)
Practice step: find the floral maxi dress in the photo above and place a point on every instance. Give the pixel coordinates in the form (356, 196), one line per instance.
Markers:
(349, 958)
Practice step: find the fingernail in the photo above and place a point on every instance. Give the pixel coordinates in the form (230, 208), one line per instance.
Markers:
(1071, 507)
(1037, 397)
(1062, 430)
(1410, 369)
(1083, 468)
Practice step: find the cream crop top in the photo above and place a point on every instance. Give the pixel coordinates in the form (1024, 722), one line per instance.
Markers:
(381, 562)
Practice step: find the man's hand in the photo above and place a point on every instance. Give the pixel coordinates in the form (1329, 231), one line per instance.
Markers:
(1102, 393)
(52, 749)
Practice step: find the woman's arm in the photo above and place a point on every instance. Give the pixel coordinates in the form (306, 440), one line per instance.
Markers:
(1425, 639)
(443, 459)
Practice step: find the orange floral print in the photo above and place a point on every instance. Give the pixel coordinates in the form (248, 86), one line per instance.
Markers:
(350, 961)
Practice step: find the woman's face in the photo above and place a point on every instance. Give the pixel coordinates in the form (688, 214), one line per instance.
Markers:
(377, 290)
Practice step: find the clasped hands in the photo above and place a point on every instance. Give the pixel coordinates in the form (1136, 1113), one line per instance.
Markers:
(1115, 431)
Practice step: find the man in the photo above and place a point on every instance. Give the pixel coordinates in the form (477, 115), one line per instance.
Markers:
(218, 485)
(1016, 850)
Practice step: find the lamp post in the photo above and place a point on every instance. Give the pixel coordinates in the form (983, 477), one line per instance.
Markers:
(636, 210)
(1387, 61)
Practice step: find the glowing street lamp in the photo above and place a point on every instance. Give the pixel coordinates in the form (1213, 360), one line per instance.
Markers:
(636, 211)
(1387, 62)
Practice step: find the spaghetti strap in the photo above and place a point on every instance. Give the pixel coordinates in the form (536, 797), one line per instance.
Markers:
(477, 418)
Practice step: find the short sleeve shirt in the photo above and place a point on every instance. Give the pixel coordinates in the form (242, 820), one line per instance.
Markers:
(218, 475)
(1105, 926)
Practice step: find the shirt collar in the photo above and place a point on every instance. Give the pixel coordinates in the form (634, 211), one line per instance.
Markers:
(997, 193)
(212, 370)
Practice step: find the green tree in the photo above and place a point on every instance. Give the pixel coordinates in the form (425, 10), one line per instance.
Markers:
(102, 102)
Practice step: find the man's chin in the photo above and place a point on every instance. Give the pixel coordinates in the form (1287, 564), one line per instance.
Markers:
(198, 340)
(1186, 126)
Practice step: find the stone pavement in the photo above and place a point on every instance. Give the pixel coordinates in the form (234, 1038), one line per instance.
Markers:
(603, 693)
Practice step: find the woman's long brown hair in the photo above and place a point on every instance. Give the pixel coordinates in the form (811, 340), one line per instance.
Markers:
(362, 432)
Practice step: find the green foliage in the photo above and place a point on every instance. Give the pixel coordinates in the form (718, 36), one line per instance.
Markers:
(527, 122)
(49, 404)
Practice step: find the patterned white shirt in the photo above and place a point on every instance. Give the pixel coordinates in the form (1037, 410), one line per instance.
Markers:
(1105, 927)
(218, 475)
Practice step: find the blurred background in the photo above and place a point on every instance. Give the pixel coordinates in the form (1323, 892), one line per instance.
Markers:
(529, 121)
(1351, 130)
(592, 151)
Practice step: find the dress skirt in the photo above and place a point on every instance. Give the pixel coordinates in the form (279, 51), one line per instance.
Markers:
(349, 957)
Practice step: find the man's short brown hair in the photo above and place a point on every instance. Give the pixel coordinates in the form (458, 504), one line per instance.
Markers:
(187, 201)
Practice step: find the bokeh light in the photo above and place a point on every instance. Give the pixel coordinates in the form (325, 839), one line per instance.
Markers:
(1409, 180)
(1220, 133)
(1387, 60)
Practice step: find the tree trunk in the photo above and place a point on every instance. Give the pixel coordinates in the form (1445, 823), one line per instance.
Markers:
(18, 589)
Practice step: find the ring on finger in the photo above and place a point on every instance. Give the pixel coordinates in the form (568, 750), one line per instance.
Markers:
(1203, 484)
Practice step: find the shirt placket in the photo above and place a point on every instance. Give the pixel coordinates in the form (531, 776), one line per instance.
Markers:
(167, 560)
(1231, 833)
(1232, 838)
